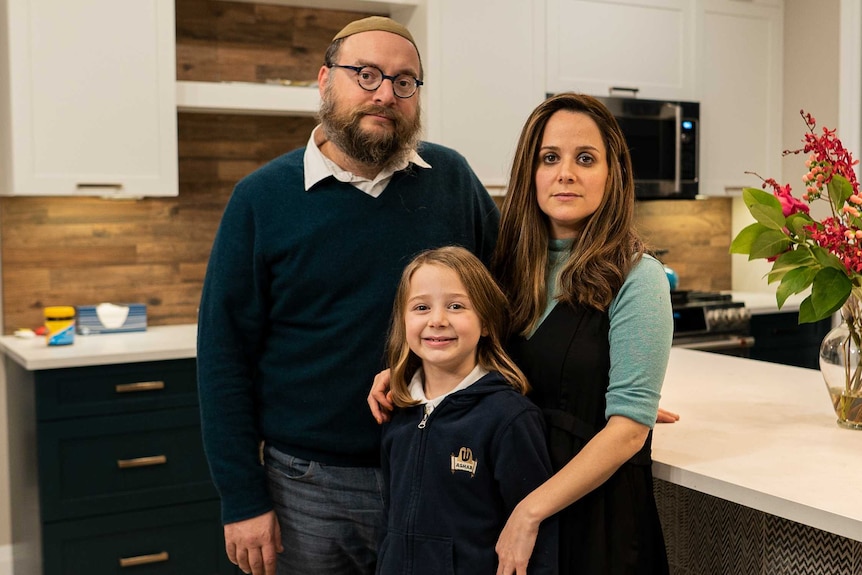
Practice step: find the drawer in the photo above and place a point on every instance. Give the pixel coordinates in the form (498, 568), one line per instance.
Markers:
(111, 389)
(181, 540)
(117, 463)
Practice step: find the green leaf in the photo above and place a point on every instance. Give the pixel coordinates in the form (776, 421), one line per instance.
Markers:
(806, 312)
(741, 244)
(764, 207)
(827, 259)
(769, 243)
(798, 257)
(752, 196)
(829, 291)
(797, 222)
(839, 190)
(793, 282)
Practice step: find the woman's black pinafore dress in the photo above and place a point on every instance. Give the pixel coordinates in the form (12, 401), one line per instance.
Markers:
(615, 529)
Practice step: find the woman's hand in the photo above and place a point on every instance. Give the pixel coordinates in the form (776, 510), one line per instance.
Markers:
(664, 416)
(379, 399)
(516, 543)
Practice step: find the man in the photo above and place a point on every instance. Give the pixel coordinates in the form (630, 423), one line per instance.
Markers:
(296, 303)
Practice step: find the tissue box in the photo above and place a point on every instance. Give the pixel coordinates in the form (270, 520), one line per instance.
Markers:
(110, 318)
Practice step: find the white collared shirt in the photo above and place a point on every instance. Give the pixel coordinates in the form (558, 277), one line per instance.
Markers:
(319, 167)
(417, 387)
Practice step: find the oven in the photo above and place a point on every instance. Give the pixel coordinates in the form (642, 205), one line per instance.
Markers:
(711, 321)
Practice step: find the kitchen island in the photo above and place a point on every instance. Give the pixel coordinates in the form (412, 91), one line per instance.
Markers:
(756, 474)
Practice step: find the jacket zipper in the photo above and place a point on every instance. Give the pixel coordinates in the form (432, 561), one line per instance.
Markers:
(417, 466)
(424, 421)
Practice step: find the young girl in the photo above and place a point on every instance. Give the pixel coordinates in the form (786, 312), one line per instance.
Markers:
(465, 445)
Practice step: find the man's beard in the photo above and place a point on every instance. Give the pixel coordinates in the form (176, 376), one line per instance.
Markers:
(377, 149)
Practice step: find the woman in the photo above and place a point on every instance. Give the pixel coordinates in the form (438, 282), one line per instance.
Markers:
(591, 328)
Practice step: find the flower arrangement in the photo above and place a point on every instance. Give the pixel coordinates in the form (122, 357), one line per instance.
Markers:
(825, 256)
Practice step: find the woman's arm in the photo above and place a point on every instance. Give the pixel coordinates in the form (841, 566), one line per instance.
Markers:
(620, 439)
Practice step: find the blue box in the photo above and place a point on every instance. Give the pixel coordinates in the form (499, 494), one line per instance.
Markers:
(110, 318)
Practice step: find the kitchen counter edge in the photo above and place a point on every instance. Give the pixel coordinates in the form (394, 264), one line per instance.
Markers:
(762, 435)
(157, 343)
(759, 303)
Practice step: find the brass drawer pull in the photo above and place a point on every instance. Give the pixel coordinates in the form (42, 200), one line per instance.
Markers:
(142, 461)
(141, 386)
(144, 559)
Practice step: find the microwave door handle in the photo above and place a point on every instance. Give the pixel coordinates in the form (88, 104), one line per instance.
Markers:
(677, 164)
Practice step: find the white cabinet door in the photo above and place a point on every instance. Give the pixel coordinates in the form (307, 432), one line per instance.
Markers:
(647, 45)
(89, 103)
(482, 79)
(741, 103)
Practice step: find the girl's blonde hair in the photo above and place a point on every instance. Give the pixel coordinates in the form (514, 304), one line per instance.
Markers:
(488, 302)
(605, 249)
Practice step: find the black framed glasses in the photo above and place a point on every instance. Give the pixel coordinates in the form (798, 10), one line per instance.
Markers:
(370, 77)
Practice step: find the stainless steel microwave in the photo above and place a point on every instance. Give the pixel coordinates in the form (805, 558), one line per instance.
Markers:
(663, 141)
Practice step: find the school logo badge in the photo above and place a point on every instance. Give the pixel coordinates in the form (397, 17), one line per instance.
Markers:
(464, 461)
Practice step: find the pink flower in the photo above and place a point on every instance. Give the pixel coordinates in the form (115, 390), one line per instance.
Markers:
(789, 203)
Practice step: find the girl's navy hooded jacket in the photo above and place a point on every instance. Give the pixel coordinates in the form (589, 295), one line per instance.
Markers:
(453, 480)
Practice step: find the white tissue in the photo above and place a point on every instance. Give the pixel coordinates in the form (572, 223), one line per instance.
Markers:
(112, 316)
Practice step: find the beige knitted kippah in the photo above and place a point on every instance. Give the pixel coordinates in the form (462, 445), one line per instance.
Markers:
(374, 23)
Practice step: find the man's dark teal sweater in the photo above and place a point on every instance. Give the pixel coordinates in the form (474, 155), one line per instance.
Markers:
(296, 305)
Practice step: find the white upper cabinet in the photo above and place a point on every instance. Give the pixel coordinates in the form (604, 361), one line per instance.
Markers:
(594, 46)
(482, 79)
(88, 98)
(741, 97)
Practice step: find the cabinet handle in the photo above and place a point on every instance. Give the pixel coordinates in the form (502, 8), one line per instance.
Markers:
(142, 461)
(140, 386)
(612, 89)
(97, 186)
(144, 559)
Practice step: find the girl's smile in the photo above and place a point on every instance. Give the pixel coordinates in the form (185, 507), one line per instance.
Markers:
(442, 327)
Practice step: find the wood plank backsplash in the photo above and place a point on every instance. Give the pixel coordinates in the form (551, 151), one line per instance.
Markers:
(79, 251)
(247, 42)
(696, 235)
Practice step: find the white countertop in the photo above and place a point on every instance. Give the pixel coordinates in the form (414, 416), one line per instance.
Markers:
(154, 344)
(761, 435)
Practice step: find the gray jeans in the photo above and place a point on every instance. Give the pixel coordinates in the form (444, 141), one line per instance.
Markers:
(331, 517)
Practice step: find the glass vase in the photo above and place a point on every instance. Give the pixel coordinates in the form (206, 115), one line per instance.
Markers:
(841, 366)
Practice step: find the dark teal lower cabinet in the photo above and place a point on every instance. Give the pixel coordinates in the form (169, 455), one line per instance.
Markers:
(122, 462)
(178, 540)
(108, 472)
(780, 338)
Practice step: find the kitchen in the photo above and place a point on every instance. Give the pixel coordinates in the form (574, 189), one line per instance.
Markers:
(77, 249)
